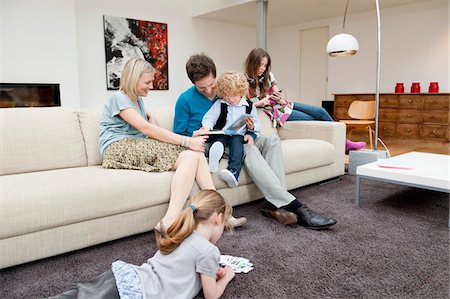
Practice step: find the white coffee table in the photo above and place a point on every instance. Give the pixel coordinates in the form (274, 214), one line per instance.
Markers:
(429, 171)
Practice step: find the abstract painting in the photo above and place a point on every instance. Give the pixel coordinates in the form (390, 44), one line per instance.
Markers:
(128, 38)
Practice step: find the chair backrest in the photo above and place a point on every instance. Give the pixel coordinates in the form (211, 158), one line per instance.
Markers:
(362, 110)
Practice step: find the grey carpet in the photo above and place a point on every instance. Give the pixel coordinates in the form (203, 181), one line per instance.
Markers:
(394, 246)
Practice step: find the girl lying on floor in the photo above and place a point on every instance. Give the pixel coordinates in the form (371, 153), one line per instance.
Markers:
(186, 262)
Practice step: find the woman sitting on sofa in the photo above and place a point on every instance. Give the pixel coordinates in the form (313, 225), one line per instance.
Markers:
(130, 138)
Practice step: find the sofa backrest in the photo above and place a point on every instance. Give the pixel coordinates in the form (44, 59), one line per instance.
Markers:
(90, 128)
(266, 125)
(165, 116)
(35, 139)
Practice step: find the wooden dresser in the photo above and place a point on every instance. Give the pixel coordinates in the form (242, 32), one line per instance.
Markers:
(413, 116)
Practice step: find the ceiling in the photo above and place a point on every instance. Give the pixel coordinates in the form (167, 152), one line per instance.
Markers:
(290, 12)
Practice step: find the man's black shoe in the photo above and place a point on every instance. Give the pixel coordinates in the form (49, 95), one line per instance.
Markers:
(310, 219)
(281, 215)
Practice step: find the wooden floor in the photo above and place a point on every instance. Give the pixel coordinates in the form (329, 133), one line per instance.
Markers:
(401, 146)
(398, 146)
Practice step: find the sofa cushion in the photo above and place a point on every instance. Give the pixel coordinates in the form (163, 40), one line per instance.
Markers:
(35, 139)
(164, 116)
(40, 200)
(90, 127)
(303, 154)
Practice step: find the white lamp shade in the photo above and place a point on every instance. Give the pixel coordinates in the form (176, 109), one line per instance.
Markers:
(342, 44)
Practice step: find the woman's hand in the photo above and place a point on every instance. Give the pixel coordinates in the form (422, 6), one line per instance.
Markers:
(197, 143)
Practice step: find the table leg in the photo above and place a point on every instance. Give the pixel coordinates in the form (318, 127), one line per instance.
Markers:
(357, 190)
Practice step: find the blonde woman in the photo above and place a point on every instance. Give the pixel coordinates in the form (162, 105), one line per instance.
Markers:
(130, 138)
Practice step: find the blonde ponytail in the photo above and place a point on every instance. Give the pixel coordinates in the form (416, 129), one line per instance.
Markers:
(202, 206)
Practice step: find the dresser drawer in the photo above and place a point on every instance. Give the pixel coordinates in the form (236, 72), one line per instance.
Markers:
(411, 116)
(436, 102)
(430, 131)
(387, 115)
(389, 101)
(407, 130)
(387, 129)
(410, 101)
(435, 116)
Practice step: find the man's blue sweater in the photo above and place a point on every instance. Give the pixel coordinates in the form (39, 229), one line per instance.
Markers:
(190, 108)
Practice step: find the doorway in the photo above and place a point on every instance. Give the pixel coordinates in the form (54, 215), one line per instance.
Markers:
(313, 65)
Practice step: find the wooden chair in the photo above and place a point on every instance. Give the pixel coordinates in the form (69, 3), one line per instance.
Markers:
(363, 116)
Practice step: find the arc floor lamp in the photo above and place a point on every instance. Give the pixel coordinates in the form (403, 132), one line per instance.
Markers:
(345, 44)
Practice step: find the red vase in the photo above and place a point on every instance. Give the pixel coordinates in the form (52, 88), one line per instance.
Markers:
(434, 87)
(399, 88)
(415, 87)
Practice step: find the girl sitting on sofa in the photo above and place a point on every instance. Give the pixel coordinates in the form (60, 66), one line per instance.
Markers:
(265, 93)
(130, 138)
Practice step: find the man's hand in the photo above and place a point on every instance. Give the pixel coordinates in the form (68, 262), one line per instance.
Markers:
(249, 139)
(200, 132)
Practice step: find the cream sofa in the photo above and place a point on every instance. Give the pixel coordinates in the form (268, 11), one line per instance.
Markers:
(55, 197)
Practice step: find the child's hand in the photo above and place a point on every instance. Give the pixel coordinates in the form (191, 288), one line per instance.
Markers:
(250, 123)
(278, 96)
(220, 273)
(229, 274)
(263, 102)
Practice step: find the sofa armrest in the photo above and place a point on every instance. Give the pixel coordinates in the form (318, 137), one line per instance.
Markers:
(332, 132)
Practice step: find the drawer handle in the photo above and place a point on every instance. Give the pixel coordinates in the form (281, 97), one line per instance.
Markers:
(435, 132)
(408, 130)
(385, 129)
(409, 115)
(410, 101)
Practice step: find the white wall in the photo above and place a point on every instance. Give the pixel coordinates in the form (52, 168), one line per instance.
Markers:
(414, 48)
(38, 45)
(63, 42)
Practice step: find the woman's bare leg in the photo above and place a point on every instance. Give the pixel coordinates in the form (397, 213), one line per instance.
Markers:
(189, 166)
(203, 176)
(185, 173)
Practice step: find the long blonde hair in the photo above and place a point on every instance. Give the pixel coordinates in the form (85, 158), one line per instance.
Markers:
(202, 206)
(131, 72)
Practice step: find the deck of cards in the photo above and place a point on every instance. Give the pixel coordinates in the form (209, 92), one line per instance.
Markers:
(238, 264)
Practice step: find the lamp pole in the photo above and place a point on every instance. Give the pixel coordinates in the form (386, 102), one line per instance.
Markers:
(377, 88)
(261, 23)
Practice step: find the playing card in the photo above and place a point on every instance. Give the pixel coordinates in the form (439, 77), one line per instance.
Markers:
(238, 264)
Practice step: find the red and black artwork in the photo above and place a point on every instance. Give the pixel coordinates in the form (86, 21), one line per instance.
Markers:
(128, 38)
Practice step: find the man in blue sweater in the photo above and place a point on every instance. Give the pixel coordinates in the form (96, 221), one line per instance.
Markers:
(267, 171)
